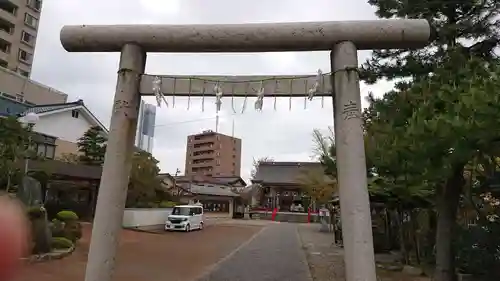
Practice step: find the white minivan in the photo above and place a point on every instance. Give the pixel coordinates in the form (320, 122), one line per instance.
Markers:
(185, 218)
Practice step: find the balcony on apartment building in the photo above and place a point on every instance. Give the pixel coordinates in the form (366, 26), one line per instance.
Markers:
(208, 162)
(199, 155)
(6, 27)
(203, 146)
(8, 10)
(202, 169)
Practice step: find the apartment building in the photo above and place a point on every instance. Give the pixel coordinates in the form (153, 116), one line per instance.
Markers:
(18, 32)
(213, 154)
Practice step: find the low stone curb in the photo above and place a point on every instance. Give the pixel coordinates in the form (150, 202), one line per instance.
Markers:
(56, 255)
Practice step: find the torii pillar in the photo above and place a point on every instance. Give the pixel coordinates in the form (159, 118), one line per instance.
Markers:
(343, 39)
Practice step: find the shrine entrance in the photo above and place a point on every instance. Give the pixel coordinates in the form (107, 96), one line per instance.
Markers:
(343, 39)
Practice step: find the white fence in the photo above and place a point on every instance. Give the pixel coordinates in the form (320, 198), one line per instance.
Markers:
(145, 217)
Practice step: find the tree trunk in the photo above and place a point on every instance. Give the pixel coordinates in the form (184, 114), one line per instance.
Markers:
(447, 200)
(402, 237)
(415, 235)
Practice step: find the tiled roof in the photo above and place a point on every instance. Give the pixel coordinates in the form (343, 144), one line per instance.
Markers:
(212, 180)
(47, 108)
(53, 107)
(67, 169)
(211, 189)
(229, 179)
(282, 172)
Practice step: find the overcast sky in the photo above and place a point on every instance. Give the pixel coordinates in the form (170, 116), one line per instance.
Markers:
(282, 134)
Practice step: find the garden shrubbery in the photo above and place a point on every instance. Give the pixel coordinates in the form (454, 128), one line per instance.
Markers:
(61, 243)
(67, 226)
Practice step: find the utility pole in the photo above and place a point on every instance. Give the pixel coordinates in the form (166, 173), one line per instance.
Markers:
(343, 39)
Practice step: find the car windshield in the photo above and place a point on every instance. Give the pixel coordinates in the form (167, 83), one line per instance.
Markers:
(181, 211)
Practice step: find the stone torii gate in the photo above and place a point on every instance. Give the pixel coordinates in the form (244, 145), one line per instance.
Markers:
(343, 39)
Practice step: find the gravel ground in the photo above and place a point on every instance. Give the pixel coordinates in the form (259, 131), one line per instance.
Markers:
(326, 261)
(275, 254)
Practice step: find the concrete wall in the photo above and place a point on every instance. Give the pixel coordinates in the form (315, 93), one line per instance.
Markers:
(156, 218)
(22, 88)
(65, 147)
(145, 217)
(285, 216)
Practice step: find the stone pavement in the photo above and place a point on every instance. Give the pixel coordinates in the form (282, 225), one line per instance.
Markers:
(275, 254)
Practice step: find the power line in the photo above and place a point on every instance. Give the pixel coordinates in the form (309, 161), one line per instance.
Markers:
(194, 120)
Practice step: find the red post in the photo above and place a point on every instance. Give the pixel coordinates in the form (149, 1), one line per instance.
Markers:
(308, 215)
(273, 217)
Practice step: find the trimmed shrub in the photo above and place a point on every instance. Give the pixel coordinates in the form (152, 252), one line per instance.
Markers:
(57, 228)
(61, 243)
(36, 212)
(66, 225)
(67, 216)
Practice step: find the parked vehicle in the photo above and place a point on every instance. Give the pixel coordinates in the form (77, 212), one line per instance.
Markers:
(185, 218)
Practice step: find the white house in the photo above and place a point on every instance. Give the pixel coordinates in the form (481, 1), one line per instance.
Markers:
(65, 121)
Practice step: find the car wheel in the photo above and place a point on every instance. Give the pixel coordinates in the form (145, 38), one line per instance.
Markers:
(201, 226)
(188, 228)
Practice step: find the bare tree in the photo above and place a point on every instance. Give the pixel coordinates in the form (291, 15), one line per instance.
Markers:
(256, 163)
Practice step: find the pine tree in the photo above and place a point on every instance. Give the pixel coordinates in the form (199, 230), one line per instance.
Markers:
(92, 146)
(469, 25)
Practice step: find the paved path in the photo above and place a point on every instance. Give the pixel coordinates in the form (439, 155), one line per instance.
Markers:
(275, 254)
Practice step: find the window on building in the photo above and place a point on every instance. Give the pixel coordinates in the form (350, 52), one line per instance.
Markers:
(35, 5)
(217, 162)
(45, 150)
(23, 72)
(3, 64)
(9, 7)
(25, 57)
(50, 151)
(27, 38)
(30, 21)
(5, 46)
(75, 113)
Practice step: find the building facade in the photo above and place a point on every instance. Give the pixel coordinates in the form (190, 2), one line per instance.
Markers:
(18, 33)
(67, 122)
(213, 154)
(146, 127)
(19, 88)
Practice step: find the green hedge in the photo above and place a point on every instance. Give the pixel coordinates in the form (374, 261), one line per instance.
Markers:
(61, 243)
(67, 216)
(167, 204)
